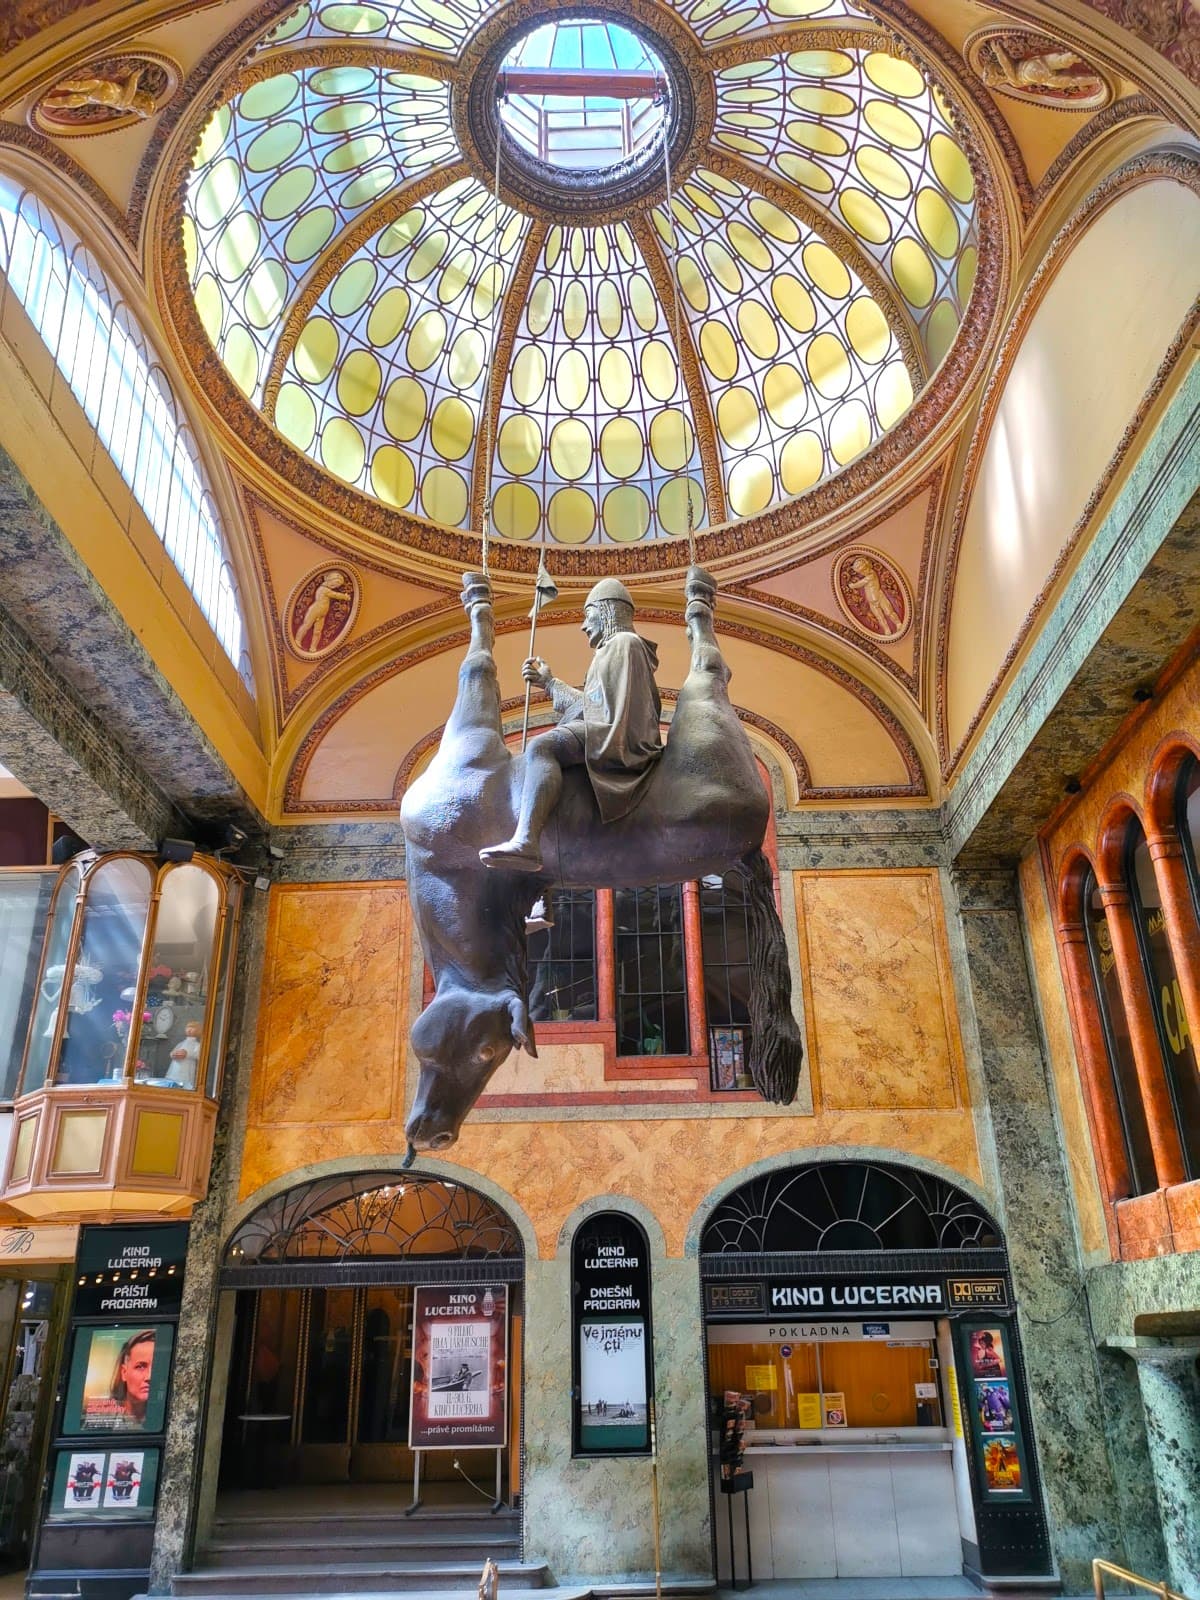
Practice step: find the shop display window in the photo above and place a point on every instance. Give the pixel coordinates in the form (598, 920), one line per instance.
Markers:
(171, 1036)
(52, 989)
(104, 973)
(24, 907)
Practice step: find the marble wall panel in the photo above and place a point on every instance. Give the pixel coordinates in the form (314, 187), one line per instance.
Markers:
(330, 1043)
(883, 1030)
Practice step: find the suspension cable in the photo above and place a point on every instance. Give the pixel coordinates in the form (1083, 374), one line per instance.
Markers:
(673, 263)
(491, 360)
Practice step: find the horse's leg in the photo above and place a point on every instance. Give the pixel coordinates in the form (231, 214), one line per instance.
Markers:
(477, 704)
(701, 592)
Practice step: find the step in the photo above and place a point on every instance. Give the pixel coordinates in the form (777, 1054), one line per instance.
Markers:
(318, 1528)
(354, 1577)
(408, 1546)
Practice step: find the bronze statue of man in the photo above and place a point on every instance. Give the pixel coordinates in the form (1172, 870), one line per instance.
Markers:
(611, 725)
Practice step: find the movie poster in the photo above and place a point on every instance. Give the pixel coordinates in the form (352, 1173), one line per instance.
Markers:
(613, 1412)
(84, 1482)
(118, 1379)
(123, 1480)
(987, 1353)
(105, 1485)
(995, 1429)
(1002, 1465)
(459, 1395)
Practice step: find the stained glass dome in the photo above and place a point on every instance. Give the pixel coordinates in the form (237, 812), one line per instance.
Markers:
(423, 344)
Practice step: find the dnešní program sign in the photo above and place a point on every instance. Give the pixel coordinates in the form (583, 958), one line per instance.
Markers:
(459, 1397)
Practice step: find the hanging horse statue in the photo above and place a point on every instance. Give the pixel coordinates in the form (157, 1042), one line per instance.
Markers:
(489, 832)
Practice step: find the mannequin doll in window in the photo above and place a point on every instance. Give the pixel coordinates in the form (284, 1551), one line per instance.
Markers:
(185, 1058)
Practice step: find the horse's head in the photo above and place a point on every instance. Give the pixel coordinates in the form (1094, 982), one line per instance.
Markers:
(460, 1039)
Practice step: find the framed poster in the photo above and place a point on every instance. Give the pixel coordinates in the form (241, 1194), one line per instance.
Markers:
(610, 1320)
(459, 1392)
(117, 1381)
(105, 1485)
(993, 1420)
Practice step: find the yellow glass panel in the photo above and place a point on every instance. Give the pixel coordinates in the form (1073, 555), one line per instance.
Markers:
(867, 330)
(444, 496)
(850, 431)
(939, 334)
(608, 308)
(600, 249)
(269, 98)
(426, 341)
(359, 382)
(894, 76)
(218, 192)
(517, 511)
(826, 270)
(353, 19)
(388, 316)
(882, 172)
(572, 380)
(821, 102)
(366, 186)
(805, 172)
(578, 250)
(724, 268)
(427, 257)
(784, 394)
(952, 167)
(265, 294)
(866, 216)
(487, 292)
(529, 375)
(541, 307)
(157, 1144)
(400, 234)
(658, 369)
(210, 306)
(550, 255)
(23, 1151)
(938, 224)
(238, 246)
(816, 137)
(744, 97)
(700, 198)
(342, 80)
(793, 302)
(626, 513)
(751, 485)
(288, 193)
(392, 476)
(295, 415)
(893, 394)
(745, 69)
(571, 449)
(311, 232)
(757, 327)
(664, 229)
(452, 428)
(671, 439)
(342, 449)
(967, 263)
(725, 26)
(673, 501)
(456, 275)
(316, 350)
(345, 118)
(571, 516)
(616, 378)
(79, 1146)
(913, 273)
(742, 143)
(802, 462)
(775, 221)
(691, 281)
(574, 309)
(273, 146)
(354, 153)
(828, 365)
(519, 445)
(684, 215)
(738, 417)
(892, 124)
(216, 131)
(820, 63)
(642, 302)
(241, 358)
(622, 448)
(718, 350)
(625, 243)
(404, 408)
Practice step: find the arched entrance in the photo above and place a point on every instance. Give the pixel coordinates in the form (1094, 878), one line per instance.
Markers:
(338, 1283)
(860, 1327)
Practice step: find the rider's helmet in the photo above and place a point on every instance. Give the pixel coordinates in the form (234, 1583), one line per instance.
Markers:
(614, 602)
(609, 589)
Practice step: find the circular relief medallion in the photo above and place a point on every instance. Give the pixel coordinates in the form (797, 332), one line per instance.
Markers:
(105, 94)
(1038, 69)
(873, 593)
(321, 610)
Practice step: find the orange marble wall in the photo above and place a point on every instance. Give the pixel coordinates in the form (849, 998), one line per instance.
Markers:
(328, 1080)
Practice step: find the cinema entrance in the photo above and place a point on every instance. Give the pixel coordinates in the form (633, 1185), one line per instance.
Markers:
(866, 1390)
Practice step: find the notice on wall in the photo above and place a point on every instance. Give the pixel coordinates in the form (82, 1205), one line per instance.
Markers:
(833, 1409)
(610, 1309)
(808, 1410)
(459, 1394)
(104, 1485)
(759, 1377)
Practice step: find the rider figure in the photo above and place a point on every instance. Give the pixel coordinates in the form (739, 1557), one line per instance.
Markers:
(611, 726)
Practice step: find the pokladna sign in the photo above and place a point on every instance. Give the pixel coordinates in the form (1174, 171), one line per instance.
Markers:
(459, 1395)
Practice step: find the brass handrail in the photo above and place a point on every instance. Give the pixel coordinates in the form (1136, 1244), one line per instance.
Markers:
(1099, 1568)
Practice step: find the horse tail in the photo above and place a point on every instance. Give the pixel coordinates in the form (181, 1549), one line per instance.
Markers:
(776, 1048)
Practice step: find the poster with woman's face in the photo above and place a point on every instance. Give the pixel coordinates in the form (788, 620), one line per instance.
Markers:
(118, 1381)
(987, 1353)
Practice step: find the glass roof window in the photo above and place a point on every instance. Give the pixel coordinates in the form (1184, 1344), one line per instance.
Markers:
(583, 96)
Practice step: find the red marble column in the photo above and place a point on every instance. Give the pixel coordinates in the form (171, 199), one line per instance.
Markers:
(1100, 1095)
(1183, 931)
(693, 950)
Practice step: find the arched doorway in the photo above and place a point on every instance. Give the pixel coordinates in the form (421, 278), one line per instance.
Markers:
(335, 1281)
(860, 1325)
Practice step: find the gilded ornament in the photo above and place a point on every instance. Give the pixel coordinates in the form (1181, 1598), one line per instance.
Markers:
(1037, 69)
(106, 94)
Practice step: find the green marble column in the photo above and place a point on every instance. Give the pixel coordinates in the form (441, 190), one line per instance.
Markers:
(1170, 1389)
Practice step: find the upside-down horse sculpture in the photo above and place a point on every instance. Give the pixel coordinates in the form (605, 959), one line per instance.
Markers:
(599, 802)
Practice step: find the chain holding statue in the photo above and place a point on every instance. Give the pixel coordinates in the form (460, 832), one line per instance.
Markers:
(599, 801)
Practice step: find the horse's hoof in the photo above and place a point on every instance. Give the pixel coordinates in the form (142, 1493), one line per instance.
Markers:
(512, 857)
(476, 590)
